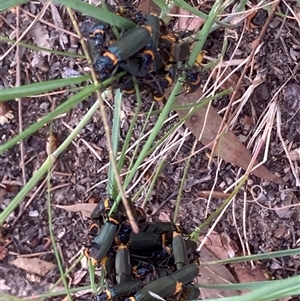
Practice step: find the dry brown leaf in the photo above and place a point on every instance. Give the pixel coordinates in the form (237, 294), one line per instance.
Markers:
(228, 244)
(245, 273)
(85, 208)
(84, 262)
(40, 36)
(5, 113)
(220, 245)
(59, 23)
(3, 286)
(253, 44)
(164, 217)
(229, 147)
(214, 274)
(249, 24)
(230, 81)
(149, 6)
(3, 252)
(294, 154)
(33, 278)
(33, 265)
(214, 194)
(83, 292)
(190, 22)
(51, 144)
(78, 276)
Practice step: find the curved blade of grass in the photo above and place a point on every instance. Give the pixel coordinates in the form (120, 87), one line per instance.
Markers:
(265, 291)
(162, 5)
(38, 88)
(253, 286)
(203, 34)
(263, 256)
(138, 144)
(30, 46)
(64, 107)
(92, 276)
(154, 180)
(59, 292)
(97, 13)
(234, 286)
(10, 297)
(29, 185)
(193, 10)
(47, 164)
(182, 184)
(7, 4)
(187, 165)
(195, 234)
(132, 124)
(52, 237)
(115, 139)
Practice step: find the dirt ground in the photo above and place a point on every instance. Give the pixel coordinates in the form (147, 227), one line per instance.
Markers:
(77, 169)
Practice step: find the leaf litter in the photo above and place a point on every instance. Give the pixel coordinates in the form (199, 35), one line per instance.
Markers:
(33, 265)
(85, 171)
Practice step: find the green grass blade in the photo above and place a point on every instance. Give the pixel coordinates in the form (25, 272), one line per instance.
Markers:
(111, 185)
(47, 164)
(52, 237)
(265, 291)
(59, 292)
(97, 13)
(64, 107)
(162, 5)
(30, 46)
(154, 180)
(203, 34)
(193, 10)
(30, 184)
(7, 4)
(132, 124)
(195, 234)
(154, 132)
(236, 286)
(10, 297)
(263, 256)
(39, 88)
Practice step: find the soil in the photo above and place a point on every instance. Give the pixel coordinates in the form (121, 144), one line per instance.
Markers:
(77, 169)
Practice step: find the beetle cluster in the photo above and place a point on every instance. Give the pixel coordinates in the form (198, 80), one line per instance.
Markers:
(157, 259)
(150, 51)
